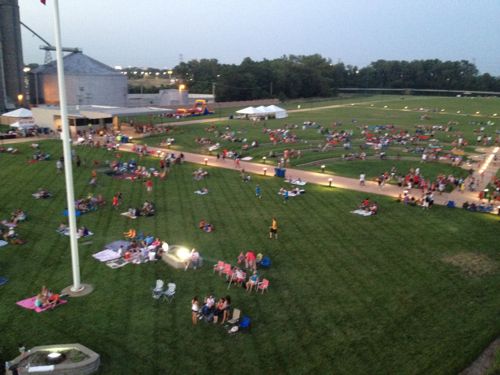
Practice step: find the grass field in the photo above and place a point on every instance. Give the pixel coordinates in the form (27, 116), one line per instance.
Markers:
(371, 111)
(408, 291)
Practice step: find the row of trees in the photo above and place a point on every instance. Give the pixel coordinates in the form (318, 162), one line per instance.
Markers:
(293, 76)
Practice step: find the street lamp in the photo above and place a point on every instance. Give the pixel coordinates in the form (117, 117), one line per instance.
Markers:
(20, 98)
(330, 182)
(264, 159)
(265, 171)
(323, 168)
(206, 161)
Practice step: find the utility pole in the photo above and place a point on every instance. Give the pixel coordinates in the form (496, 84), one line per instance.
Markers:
(271, 89)
(213, 90)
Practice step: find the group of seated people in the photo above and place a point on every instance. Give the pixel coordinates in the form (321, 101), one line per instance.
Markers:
(16, 216)
(368, 206)
(9, 150)
(147, 209)
(206, 227)
(90, 203)
(478, 207)
(83, 231)
(202, 191)
(291, 193)
(199, 174)
(143, 248)
(216, 312)
(39, 155)
(12, 237)
(42, 193)
(46, 299)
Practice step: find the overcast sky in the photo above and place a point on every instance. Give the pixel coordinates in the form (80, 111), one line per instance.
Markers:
(154, 33)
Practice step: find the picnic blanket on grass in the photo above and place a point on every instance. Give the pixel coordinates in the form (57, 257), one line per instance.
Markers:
(115, 246)
(106, 255)
(129, 215)
(296, 182)
(66, 233)
(29, 303)
(39, 196)
(3, 280)
(3, 243)
(117, 263)
(201, 192)
(361, 212)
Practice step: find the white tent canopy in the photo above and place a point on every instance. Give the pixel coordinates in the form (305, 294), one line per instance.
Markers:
(19, 113)
(277, 111)
(261, 111)
(23, 124)
(247, 111)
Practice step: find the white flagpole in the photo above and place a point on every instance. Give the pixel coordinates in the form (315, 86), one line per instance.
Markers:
(68, 171)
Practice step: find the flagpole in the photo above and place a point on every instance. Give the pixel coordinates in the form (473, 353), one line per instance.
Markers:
(68, 171)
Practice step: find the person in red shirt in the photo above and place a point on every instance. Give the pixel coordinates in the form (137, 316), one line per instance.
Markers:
(250, 260)
(115, 201)
(149, 186)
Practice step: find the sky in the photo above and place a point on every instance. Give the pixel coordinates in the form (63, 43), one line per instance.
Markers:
(156, 33)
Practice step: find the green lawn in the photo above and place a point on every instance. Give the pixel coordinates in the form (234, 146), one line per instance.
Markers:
(348, 294)
(367, 110)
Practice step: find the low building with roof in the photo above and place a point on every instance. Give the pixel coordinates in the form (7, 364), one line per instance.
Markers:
(97, 116)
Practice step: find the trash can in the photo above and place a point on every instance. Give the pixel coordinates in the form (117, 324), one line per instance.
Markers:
(279, 172)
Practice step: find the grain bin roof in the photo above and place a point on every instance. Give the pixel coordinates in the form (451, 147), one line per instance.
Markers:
(77, 63)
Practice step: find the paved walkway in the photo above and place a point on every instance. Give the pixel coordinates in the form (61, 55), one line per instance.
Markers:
(337, 181)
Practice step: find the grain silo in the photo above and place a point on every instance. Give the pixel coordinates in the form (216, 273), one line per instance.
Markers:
(11, 55)
(88, 82)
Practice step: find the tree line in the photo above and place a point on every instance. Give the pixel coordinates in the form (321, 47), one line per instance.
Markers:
(292, 76)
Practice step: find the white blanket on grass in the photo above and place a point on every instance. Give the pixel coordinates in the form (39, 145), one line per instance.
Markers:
(129, 215)
(361, 212)
(201, 192)
(296, 182)
(66, 233)
(106, 255)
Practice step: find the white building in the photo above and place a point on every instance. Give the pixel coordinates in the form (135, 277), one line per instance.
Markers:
(88, 82)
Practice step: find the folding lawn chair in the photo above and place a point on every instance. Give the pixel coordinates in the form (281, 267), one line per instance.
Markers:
(158, 289)
(263, 285)
(235, 317)
(219, 267)
(169, 294)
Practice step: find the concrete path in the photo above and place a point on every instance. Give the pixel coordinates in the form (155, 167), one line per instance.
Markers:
(336, 181)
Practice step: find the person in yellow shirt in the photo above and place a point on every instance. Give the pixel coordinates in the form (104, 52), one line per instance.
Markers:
(273, 229)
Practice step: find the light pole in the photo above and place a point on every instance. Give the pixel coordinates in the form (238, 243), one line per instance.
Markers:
(77, 287)
(323, 168)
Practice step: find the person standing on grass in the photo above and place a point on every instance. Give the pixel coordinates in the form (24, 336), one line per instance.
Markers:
(149, 185)
(273, 229)
(258, 192)
(115, 202)
(59, 166)
(195, 309)
(362, 179)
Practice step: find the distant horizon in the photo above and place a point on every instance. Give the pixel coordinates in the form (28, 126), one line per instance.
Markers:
(355, 32)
